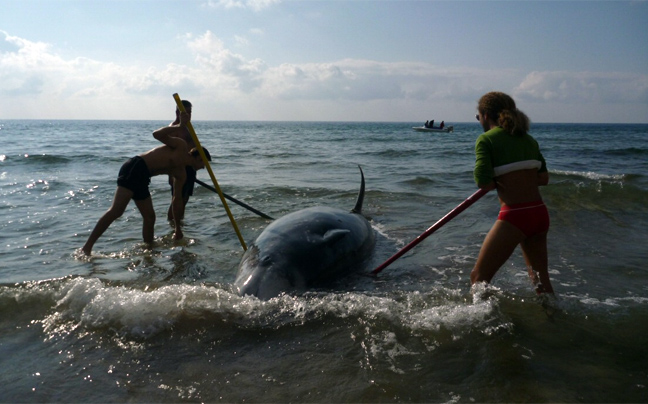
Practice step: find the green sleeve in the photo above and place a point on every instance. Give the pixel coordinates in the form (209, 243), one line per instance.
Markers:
(483, 173)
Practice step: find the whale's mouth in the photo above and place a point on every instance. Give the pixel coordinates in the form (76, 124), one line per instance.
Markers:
(261, 276)
(247, 280)
(265, 284)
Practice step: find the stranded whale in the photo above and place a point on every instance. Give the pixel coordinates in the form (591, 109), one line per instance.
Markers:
(305, 249)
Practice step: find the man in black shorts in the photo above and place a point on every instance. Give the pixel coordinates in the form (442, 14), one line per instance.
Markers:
(134, 177)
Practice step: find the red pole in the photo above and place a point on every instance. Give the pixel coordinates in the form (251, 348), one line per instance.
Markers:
(445, 219)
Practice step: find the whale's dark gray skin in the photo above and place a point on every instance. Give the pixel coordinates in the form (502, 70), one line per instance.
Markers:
(305, 249)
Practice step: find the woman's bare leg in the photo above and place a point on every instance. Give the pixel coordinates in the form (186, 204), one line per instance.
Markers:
(498, 246)
(534, 249)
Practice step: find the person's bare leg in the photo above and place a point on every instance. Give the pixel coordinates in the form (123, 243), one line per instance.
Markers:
(119, 203)
(534, 249)
(145, 207)
(170, 213)
(170, 210)
(498, 246)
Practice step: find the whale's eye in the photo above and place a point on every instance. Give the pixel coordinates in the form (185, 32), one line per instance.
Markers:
(265, 259)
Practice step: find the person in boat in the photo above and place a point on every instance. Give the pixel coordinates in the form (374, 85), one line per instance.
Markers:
(188, 188)
(442, 125)
(135, 175)
(509, 160)
(427, 124)
(431, 124)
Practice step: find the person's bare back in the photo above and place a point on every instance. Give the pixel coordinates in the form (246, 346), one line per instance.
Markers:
(172, 157)
(520, 186)
(168, 160)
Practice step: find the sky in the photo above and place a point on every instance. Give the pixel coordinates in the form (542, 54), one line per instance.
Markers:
(309, 60)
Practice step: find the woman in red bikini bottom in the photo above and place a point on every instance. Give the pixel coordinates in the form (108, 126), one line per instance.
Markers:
(508, 159)
(531, 218)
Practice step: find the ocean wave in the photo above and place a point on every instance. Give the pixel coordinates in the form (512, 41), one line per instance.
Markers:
(590, 175)
(41, 159)
(419, 181)
(49, 161)
(584, 304)
(614, 191)
(68, 305)
(397, 153)
(630, 151)
(607, 198)
(392, 328)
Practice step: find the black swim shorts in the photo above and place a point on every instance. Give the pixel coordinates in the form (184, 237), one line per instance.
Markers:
(134, 175)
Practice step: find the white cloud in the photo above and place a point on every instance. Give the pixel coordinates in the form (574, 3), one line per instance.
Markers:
(241, 40)
(217, 66)
(41, 83)
(34, 69)
(364, 80)
(584, 87)
(256, 5)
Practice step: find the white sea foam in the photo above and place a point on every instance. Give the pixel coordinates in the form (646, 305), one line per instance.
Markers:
(592, 175)
(91, 304)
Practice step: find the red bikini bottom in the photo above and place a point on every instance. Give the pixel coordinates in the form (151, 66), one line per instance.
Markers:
(530, 217)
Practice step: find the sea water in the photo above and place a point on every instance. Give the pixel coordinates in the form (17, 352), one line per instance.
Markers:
(164, 324)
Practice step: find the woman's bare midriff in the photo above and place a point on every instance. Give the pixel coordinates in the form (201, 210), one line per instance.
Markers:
(519, 187)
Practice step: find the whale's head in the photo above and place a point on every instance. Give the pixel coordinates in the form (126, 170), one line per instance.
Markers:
(266, 273)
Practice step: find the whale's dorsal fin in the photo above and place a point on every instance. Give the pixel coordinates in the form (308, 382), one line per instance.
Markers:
(358, 206)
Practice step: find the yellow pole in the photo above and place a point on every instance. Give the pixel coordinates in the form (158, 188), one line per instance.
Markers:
(209, 170)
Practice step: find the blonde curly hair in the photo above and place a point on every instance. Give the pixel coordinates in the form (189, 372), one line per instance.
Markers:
(502, 109)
